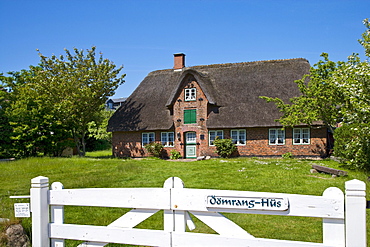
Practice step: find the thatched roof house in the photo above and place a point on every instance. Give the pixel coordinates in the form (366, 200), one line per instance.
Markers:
(225, 101)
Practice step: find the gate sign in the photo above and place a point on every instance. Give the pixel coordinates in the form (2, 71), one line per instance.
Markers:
(22, 210)
(249, 203)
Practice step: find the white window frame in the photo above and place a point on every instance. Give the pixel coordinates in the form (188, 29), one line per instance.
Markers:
(190, 94)
(150, 136)
(191, 137)
(168, 139)
(237, 140)
(301, 136)
(275, 135)
(212, 134)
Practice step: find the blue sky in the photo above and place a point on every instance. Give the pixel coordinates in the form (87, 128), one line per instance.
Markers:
(143, 35)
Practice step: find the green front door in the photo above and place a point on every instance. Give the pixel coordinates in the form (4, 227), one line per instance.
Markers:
(190, 145)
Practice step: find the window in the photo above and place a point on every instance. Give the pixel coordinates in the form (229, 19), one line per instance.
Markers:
(276, 136)
(190, 94)
(110, 105)
(191, 137)
(167, 139)
(147, 138)
(239, 137)
(301, 136)
(190, 116)
(213, 134)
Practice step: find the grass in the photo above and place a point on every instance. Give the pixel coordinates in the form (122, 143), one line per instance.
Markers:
(99, 169)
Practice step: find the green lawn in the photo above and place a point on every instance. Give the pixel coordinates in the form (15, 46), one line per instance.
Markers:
(251, 174)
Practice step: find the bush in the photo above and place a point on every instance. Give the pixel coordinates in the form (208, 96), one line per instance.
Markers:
(175, 155)
(352, 145)
(288, 155)
(155, 149)
(224, 147)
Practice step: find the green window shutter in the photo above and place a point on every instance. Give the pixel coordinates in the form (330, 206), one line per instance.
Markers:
(190, 116)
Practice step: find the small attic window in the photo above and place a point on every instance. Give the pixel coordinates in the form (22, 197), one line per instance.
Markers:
(190, 94)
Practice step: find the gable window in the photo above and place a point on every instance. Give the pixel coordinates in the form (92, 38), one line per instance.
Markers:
(147, 137)
(190, 94)
(239, 137)
(190, 116)
(276, 136)
(301, 136)
(213, 134)
(167, 139)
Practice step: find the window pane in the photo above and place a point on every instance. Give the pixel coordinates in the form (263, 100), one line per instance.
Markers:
(171, 139)
(193, 94)
(147, 138)
(213, 134)
(190, 137)
(281, 136)
(187, 95)
(242, 137)
(171, 136)
(272, 136)
(234, 136)
(151, 137)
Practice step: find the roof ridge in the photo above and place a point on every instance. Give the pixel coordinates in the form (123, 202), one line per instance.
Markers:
(231, 64)
(250, 62)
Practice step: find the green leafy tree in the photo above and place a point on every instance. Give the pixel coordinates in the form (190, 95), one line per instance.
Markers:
(76, 86)
(5, 128)
(98, 128)
(33, 128)
(319, 99)
(336, 93)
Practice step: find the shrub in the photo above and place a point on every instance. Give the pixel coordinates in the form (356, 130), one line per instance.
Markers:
(175, 154)
(288, 155)
(352, 145)
(155, 149)
(224, 147)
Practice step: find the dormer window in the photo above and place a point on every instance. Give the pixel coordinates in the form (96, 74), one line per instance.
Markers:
(190, 94)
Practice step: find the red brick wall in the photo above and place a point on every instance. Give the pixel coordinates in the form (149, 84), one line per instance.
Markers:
(129, 144)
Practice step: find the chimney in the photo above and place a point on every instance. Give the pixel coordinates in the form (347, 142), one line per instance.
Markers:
(179, 61)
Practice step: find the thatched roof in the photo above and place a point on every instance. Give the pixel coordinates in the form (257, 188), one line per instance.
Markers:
(234, 88)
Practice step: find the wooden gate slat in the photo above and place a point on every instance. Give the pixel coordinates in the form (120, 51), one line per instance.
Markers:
(201, 240)
(105, 234)
(221, 224)
(153, 198)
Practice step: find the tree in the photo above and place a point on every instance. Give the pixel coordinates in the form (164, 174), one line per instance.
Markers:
(5, 128)
(336, 93)
(75, 87)
(98, 129)
(319, 99)
(32, 126)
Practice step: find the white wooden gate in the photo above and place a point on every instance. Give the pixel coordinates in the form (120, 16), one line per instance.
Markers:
(340, 227)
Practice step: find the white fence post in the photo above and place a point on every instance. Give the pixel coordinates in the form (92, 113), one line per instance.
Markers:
(57, 215)
(174, 220)
(355, 213)
(334, 229)
(40, 211)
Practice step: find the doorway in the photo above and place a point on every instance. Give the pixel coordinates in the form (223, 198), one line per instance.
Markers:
(190, 145)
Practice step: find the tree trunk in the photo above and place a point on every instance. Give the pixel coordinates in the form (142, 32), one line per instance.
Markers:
(83, 145)
(77, 142)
